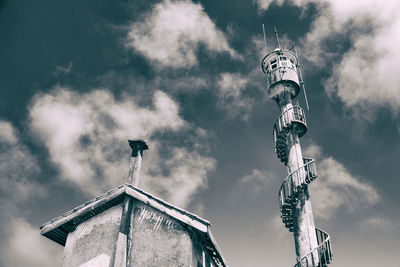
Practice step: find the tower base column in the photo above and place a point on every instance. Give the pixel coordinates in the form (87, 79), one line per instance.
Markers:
(305, 238)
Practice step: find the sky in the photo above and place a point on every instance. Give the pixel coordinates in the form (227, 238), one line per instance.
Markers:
(80, 78)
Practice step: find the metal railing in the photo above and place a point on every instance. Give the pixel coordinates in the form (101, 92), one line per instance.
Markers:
(292, 117)
(321, 256)
(294, 182)
(293, 114)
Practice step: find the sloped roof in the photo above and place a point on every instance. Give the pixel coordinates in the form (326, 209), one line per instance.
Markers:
(58, 228)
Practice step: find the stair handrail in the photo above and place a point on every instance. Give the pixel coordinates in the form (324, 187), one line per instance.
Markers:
(304, 166)
(324, 251)
(298, 116)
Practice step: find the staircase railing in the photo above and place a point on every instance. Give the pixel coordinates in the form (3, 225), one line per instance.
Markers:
(321, 256)
(294, 182)
(292, 117)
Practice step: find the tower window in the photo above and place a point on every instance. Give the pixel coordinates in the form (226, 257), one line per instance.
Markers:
(273, 66)
(273, 61)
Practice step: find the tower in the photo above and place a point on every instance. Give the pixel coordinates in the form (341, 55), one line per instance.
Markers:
(312, 245)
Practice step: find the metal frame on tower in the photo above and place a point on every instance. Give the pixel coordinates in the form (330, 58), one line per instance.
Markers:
(282, 70)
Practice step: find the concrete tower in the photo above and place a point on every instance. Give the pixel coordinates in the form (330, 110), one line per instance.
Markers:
(128, 227)
(312, 245)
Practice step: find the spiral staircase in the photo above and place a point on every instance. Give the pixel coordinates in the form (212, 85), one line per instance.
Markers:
(293, 119)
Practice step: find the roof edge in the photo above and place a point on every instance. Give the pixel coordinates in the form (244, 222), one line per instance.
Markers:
(128, 189)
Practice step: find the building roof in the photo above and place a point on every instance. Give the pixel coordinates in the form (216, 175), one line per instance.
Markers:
(58, 228)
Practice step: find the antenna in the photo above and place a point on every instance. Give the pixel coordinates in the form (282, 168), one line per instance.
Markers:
(301, 77)
(277, 37)
(265, 39)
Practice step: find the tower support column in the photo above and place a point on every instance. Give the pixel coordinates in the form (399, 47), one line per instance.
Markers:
(305, 238)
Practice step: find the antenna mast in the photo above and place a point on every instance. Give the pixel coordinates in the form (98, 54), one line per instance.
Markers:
(301, 78)
(277, 37)
(265, 39)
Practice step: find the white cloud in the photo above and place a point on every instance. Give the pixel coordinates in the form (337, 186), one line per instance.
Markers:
(24, 246)
(257, 179)
(18, 167)
(171, 33)
(21, 243)
(254, 183)
(264, 4)
(7, 133)
(230, 94)
(381, 223)
(182, 173)
(85, 134)
(367, 75)
(86, 137)
(337, 188)
(312, 150)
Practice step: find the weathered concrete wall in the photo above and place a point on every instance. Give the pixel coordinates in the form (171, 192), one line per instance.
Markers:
(158, 240)
(155, 239)
(93, 242)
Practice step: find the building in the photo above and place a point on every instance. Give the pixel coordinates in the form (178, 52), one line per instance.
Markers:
(129, 227)
(282, 70)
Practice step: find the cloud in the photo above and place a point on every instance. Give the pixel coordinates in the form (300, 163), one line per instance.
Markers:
(264, 4)
(63, 69)
(256, 180)
(178, 175)
(86, 135)
(171, 33)
(337, 188)
(239, 92)
(312, 150)
(380, 223)
(18, 168)
(230, 94)
(366, 76)
(24, 246)
(7, 133)
(253, 184)
(20, 242)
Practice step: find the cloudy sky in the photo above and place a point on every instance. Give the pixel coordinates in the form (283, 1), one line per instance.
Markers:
(80, 78)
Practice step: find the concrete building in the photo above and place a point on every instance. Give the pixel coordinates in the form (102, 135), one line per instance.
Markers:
(129, 227)
(284, 81)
